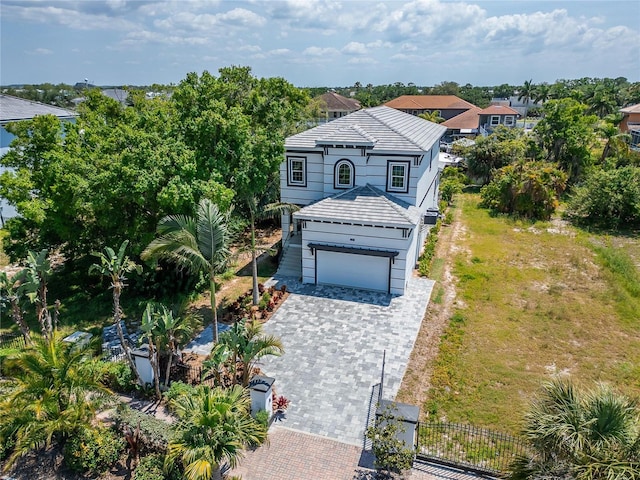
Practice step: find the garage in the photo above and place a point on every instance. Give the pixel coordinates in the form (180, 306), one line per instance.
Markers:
(369, 270)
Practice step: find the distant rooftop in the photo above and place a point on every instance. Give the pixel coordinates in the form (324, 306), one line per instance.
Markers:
(498, 110)
(331, 101)
(429, 102)
(631, 109)
(15, 109)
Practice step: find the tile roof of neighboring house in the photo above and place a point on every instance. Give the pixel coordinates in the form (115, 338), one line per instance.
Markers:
(383, 129)
(631, 109)
(466, 120)
(331, 101)
(429, 102)
(118, 94)
(363, 205)
(499, 110)
(14, 109)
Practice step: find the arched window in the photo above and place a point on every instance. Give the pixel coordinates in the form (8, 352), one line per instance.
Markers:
(343, 174)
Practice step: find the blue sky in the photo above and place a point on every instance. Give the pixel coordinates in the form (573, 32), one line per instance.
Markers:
(319, 43)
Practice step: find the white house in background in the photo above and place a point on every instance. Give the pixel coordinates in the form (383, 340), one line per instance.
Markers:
(365, 183)
(15, 109)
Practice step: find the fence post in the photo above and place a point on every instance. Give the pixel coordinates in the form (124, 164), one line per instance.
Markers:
(384, 356)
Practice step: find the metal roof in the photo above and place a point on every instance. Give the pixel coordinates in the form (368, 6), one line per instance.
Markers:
(365, 205)
(14, 109)
(382, 128)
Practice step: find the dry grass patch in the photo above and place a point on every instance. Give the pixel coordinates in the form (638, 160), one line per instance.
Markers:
(536, 302)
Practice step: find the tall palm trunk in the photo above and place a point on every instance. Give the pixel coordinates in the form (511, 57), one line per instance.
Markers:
(169, 361)
(254, 260)
(117, 314)
(214, 307)
(16, 313)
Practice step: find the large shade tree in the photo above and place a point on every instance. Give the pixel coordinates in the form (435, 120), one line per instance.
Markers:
(199, 244)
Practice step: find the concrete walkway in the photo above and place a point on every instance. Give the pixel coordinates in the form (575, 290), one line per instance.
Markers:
(334, 339)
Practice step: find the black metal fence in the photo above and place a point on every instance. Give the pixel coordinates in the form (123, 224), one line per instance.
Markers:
(468, 447)
(193, 375)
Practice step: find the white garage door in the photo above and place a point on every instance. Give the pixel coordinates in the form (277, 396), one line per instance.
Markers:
(352, 270)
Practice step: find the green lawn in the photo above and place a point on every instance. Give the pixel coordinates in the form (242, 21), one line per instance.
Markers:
(534, 300)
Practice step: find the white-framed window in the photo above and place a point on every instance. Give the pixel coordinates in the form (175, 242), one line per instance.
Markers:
(397, 176)
(343, 174)
(297, 171)
(495, 120)
(509, 120)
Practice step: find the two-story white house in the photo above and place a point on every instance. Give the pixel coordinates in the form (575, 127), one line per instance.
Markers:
(365, 182)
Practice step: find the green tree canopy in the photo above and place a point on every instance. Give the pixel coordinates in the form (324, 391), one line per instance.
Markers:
(564, 136)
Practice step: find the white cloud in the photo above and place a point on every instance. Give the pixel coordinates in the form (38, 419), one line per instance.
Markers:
(279, 52)
(41, 51)
(362, 61)
(319, 51)
(355, 48)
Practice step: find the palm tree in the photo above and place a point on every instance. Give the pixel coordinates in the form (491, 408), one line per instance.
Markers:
(10, 291)
(247, 344)
(33, 281)
(258, 209)
(215, 426)
(172, 330)
(432, 116)
(150, 334)
(115, 267)
(198, 244)
(57, 392)
(542, 93)
(590, 435)
(526, 94)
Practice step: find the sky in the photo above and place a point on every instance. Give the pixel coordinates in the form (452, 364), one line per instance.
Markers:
(314, 43)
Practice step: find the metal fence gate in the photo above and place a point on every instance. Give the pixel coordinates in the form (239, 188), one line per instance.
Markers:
(468, 447)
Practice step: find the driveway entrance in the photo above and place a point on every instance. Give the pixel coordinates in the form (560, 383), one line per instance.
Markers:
(334, 339)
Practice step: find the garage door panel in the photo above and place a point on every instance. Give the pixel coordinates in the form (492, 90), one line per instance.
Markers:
(352, 270)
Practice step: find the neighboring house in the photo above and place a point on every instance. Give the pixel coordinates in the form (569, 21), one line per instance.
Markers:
(448, 106)
(519, 106)
(631, 123)
(334, 106)
(464, 125)
(15, 109)
(494, 115)
(365, 182)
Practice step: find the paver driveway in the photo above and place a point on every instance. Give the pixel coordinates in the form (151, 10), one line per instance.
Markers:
(334, 340)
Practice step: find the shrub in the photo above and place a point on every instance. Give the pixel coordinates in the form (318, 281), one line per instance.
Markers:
(151, 468)
(119, 377)
(154, 434)
(93, 450)
(262, 417)
(391, 454)
(525, 189)
(177, 389)
(607, 198)
(424, 262)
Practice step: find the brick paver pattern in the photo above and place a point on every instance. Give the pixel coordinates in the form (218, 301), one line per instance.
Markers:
(334, 339)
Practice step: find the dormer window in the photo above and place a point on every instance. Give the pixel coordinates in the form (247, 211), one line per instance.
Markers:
(343, 175)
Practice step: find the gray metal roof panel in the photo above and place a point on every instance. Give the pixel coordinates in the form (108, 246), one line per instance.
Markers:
(392, 129)
(14, 109)
(364, 205)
